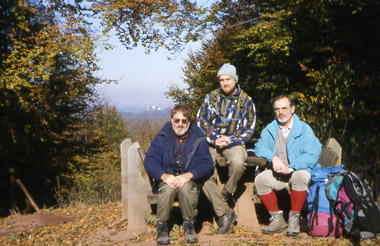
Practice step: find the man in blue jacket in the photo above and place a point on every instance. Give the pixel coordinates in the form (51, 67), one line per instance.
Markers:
(290, 145)
(177, 159)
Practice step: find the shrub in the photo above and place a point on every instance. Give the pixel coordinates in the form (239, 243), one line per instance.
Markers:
(95, 178)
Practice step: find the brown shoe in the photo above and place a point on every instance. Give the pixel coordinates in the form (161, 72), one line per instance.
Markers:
(226, 221)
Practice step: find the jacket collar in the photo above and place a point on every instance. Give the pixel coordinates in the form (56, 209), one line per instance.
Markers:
(296, 129)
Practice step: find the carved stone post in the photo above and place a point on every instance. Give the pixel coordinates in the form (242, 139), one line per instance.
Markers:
(139, 189)
(124, 146)
(335, 146)
(245, 208)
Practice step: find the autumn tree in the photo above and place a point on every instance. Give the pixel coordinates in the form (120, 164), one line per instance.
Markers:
(94, 177)
(47, 74)
(47, 88)
(323, 53)
(47, 77)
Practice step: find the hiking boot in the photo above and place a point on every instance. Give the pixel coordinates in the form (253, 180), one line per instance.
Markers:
(294, 224)
(188, 229)
(162, 234)
(277, 223)
(226, 221)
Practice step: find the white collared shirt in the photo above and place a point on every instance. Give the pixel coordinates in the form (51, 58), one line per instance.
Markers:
(286, 131)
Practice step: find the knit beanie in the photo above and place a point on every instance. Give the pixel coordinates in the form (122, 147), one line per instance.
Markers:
(228, 69)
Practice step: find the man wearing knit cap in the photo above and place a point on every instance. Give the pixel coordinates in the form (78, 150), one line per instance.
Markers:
(227, 116)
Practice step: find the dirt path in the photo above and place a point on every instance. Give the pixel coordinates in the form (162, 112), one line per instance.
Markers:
(25, 223)
(101, 225)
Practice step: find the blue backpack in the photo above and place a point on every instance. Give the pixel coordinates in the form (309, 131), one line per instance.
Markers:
(321, 220)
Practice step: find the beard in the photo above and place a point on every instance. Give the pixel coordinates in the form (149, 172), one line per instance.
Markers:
(283, 121)
(229, 90)
(181, 131)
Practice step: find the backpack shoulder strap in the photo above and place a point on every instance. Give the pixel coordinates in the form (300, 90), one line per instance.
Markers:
(375, 182)
(314, 210)
(354, 187)
(215, 97)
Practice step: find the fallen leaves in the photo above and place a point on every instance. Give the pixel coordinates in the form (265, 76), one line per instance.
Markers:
(101, 225)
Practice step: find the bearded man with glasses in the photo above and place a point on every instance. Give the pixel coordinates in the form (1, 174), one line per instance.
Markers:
(293, 150)
(178, 159)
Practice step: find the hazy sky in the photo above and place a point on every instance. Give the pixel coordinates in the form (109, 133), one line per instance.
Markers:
(142, 79)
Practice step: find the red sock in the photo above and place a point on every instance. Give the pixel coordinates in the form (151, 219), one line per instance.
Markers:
(270, 201)
(297, 199)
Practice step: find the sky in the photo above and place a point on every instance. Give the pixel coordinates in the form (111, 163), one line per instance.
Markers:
(142, 79)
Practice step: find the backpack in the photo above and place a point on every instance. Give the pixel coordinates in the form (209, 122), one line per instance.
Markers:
(339, 200)
(354, 202)
(321, 220)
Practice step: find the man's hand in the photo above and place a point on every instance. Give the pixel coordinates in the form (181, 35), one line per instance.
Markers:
(170, 180)
(279, 166)
(183, 179)
(287, 170)
(176, 181)
(222, 142)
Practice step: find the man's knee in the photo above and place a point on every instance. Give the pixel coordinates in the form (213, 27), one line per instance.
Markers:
(188, 188)
(300, 180)
(188, 198)
(165, 191)
(236, 156)
(238, 162)
(262, 182)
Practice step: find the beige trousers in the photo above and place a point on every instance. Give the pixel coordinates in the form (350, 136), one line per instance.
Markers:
(235, 158)
(187, 197)
(265, 182)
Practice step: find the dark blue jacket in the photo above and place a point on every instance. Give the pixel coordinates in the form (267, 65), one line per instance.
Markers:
(160, 156)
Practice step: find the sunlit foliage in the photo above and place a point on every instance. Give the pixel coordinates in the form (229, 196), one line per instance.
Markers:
(325, 54)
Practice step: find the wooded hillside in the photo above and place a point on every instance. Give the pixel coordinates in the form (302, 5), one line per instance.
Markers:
(56, 132)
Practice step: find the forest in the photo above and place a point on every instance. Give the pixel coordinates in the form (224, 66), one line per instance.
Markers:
(63, 139)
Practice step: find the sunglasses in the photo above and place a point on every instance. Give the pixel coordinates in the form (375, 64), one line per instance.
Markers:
(184, 121)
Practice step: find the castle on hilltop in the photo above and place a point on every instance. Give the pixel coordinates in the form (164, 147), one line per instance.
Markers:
(154, 107)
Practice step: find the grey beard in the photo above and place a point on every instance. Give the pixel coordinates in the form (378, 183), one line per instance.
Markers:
(282, 122)
(184, 132)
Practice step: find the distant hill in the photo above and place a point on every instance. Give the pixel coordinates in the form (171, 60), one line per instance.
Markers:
(151, 111)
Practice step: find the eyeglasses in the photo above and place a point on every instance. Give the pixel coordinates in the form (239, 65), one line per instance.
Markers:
(283, 109)
(184, 121)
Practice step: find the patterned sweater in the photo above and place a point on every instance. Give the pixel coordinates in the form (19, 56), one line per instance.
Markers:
(233, 116)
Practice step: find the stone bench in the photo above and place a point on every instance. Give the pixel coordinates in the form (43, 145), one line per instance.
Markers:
(137, 196)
